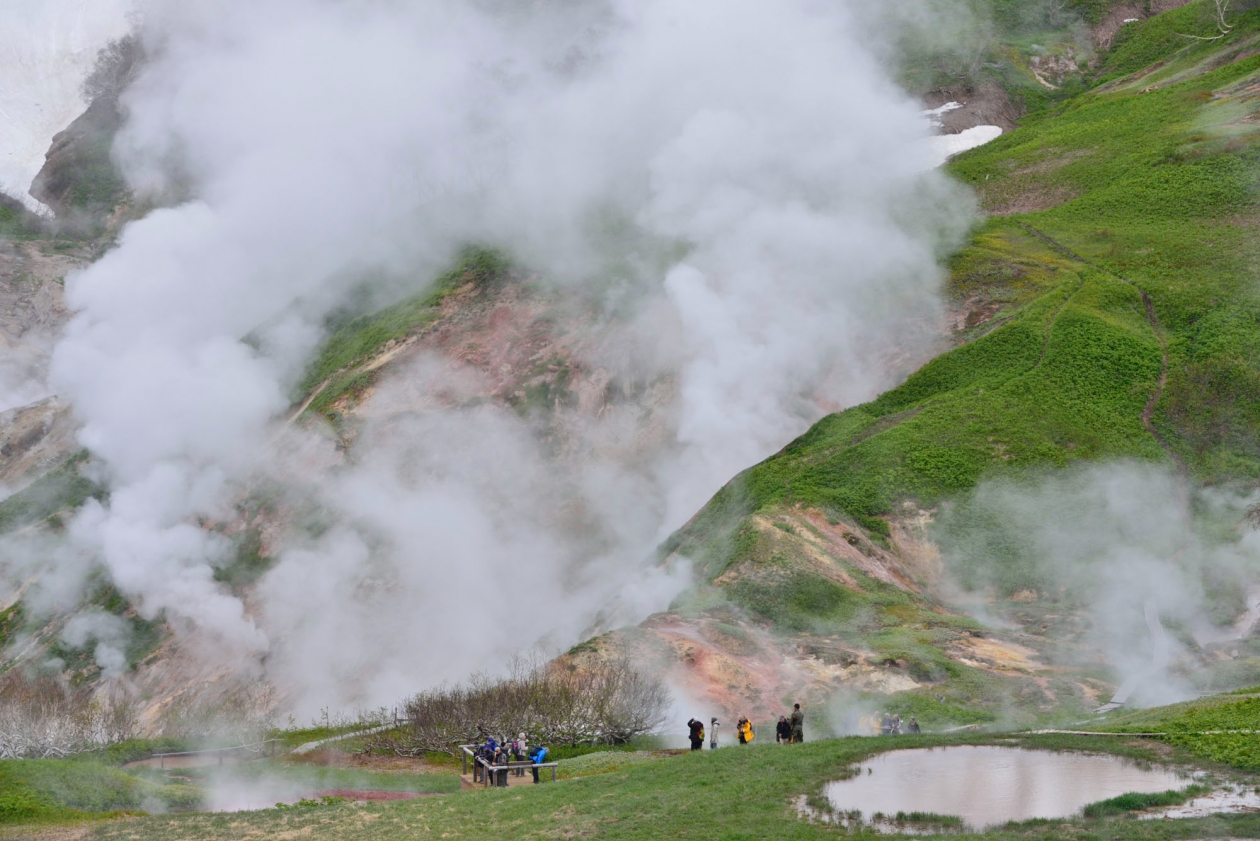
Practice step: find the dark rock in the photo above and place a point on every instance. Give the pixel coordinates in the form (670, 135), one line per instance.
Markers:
(79, 180)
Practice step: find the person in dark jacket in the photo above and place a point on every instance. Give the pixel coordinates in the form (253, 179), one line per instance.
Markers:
(798, 724)
(912, 726)
(783, 731)
(695, 732)
(537, 756)
(486, 752)
(501, 760)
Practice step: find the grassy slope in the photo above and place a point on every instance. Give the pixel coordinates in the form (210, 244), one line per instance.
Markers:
(732, 793)
(1164, 203)
(1222, 728)
(339, 366)
(38, 790)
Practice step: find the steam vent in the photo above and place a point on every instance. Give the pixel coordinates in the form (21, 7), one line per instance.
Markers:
(722, 419)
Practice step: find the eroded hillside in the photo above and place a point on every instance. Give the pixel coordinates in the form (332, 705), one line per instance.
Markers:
(1103, 312)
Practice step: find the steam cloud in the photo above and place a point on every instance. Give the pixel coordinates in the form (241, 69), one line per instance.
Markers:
(1132, 548)
(315, 144)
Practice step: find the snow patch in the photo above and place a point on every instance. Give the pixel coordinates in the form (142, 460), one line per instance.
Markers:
(47, 48)
(945, 146)
(934, 114)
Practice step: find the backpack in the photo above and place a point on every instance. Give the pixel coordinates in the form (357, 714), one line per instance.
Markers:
(700, 733)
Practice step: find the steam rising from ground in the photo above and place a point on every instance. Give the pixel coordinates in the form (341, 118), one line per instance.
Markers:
(737, 183)
(1111, 540)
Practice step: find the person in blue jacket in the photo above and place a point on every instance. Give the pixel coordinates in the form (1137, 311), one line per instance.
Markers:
(537, 755)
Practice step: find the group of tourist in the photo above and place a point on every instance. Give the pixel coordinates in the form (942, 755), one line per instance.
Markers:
(890, 725)
(787, 731)
(499, 752)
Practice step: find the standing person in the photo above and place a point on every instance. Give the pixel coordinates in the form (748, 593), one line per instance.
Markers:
(486, 752)
(744, 730)
(537, 756)
(798, 724)
(695, 732)
(520, 752)
(713, 735)
(783, 731)
(896, 729)
(885, 725)
(913, 726)
(500, 776)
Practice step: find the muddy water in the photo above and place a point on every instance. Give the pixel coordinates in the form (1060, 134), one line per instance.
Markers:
(992, 785)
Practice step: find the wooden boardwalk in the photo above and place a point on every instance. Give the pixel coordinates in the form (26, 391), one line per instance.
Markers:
(466, 780)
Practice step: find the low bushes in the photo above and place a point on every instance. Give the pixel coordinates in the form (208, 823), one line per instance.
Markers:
(609, 703)
(42, 718)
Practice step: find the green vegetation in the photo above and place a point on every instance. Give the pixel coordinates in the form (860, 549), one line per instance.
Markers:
(135, 749)
(364, 337)
(1223, 728)
(12, 620)
(318, 778)
(1126, 195)
(248, 563)
(746, 792)
(56, 790)
(602, 762)
(639, 744)
(925, 820)
(144, 635)
(1136, 802)
(62, 489)
(16, 222)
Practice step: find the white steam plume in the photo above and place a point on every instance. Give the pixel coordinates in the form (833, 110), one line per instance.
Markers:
(324, 142)
(1158, 570)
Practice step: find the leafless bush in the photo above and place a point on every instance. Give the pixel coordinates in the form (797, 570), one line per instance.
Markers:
(117, 64)
(609, 703)
(43, 718)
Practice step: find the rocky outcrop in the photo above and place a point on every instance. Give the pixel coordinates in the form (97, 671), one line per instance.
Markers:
(79, 180)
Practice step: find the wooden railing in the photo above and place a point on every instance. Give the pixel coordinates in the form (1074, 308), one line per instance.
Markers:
(488, 768)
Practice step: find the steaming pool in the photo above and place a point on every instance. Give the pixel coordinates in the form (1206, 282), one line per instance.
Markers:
(987, 785)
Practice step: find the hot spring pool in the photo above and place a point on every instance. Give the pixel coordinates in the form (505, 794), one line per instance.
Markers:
(992, 785)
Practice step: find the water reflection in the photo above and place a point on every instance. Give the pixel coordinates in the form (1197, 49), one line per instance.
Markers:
(992, 785)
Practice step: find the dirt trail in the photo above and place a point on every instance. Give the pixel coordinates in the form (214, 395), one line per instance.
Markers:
(1148, 411)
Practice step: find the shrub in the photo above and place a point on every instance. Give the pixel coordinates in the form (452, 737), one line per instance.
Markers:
(43, 718)
(609, 703)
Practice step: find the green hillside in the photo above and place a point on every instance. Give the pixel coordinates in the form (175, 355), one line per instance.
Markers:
(1125, 316)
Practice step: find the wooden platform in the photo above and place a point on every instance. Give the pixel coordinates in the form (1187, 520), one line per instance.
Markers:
(466, 780)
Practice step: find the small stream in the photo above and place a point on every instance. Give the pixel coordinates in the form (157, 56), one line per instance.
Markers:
(988, 785)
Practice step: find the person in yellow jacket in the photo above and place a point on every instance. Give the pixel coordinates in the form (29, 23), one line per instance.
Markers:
(744, 730)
